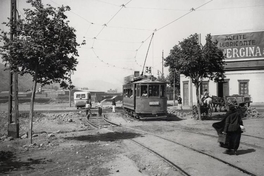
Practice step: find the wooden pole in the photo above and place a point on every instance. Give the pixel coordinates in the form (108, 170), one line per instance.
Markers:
(13, 126)
(174, 76)
(162, 71)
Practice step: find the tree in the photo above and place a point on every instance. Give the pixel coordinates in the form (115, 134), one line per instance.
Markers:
(45, 47)
(197, 62)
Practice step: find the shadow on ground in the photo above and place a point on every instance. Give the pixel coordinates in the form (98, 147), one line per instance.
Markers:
(9, 162)
(242, 152)
(112, 136)
(170, 117)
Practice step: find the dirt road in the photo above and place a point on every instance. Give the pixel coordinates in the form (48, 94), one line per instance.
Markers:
(64, 144)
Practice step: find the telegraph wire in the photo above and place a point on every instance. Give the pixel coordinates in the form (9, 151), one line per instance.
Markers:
(105, 25)
(190, 11)
(107, 3)
(147, 8)
(130, 28)
(124, 6)
(125, 68)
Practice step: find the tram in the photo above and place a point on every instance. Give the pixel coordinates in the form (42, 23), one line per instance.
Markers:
(145, 97)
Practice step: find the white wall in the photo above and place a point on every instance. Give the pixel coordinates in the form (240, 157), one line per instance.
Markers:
(256, 85)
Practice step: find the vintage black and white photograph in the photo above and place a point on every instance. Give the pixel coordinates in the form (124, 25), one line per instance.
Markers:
(131, 88)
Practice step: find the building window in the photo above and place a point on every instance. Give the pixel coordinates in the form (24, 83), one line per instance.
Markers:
(204, 85)
(243, 87)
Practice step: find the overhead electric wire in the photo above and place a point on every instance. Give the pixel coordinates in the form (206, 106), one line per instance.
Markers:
(130, 28)
(105, 25)
(123, 6)
(148, 8)
(192, 9)
(107, 3)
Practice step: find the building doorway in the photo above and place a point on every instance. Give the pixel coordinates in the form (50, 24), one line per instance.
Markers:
(223, 88)
(185, 98)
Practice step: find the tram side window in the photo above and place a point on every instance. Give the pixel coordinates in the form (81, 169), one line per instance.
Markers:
(153, 90)
(144, 91)
(125, 93)
(162, 91)
(128, 92)
(137, 90)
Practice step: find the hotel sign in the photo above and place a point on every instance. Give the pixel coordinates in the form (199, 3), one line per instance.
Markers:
(242, 45)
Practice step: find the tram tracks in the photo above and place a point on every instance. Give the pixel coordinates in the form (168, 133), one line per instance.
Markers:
(244, 143)
(197, 151)
(176, 166)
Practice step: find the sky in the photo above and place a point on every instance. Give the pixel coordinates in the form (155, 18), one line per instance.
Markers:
(121, 35)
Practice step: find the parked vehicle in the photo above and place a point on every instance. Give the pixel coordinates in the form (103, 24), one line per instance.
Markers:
(80, 99)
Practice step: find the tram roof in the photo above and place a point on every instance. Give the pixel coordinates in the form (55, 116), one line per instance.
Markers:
(149, 81)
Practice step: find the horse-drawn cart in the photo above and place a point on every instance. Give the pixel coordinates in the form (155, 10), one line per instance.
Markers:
(239, 99)
(206, 111)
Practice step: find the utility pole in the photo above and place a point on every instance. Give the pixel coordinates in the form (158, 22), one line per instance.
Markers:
(174, 76)
(70, 92)
(13, 124)
(162, 66)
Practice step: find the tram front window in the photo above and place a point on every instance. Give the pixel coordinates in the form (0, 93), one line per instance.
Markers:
(144, 92)
(153, 90)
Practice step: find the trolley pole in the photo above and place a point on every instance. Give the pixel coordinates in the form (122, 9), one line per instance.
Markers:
(13, 124)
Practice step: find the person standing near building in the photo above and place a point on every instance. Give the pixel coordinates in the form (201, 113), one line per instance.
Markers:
(179, 103)
(88, 106)
(205, 95)
(113, 105)
(100, 108)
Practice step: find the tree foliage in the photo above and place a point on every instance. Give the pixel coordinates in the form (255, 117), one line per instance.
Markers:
(44, 44)
(197, 62)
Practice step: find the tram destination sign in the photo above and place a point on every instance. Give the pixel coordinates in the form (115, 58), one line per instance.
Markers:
(241, 45)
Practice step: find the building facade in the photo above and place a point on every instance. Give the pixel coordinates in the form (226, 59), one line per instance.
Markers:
(244, 69)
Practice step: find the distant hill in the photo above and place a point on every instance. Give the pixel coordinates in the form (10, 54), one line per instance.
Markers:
(101, 85)
(24, 82)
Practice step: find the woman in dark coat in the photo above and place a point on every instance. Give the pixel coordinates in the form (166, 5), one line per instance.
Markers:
(233, 130)
(230, 125)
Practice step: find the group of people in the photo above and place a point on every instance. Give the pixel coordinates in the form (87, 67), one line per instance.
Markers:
(88, 107)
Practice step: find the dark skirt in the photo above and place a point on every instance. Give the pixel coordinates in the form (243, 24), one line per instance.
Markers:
(233, 140)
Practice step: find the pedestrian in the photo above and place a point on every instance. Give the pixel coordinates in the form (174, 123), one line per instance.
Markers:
(232, 127)
(205, 95)
(100, 110)
(88, 106)
(113, 105)
(179, 103)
